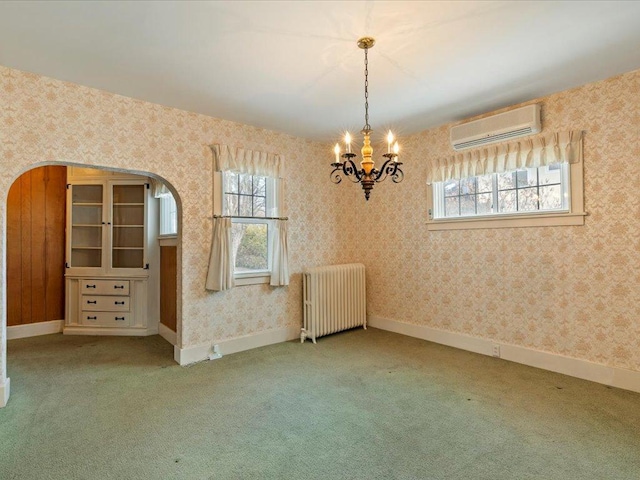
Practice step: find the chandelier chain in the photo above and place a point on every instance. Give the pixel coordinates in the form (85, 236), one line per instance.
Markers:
(366, 91)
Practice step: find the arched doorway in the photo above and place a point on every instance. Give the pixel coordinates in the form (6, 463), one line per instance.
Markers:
(45, 314)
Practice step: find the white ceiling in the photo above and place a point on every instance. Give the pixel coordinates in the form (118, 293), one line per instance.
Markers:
(295, 66)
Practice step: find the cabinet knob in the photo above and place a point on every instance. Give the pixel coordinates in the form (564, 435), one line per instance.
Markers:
(92, 318)
(119, 303)
(119, 318)
(89, 286)
(92, 302)
(119, 286)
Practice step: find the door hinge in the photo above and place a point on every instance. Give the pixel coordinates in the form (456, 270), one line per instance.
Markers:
(68, 185)
(148, 186)
(146, 267)
(66, 264)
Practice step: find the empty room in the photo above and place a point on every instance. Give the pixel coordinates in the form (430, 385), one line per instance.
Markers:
(319, 240)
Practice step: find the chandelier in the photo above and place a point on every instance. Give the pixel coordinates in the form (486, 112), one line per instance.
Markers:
(368, 175)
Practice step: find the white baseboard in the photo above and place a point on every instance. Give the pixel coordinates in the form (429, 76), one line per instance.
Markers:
(34, 329)
(168, 334)
(186, 356)
(4, 392)
(574, 367)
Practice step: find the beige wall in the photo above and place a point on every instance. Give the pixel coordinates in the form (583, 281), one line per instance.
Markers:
(573, 291)
(46, 120)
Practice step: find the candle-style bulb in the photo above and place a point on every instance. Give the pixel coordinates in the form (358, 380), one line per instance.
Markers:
(336, 150)
(389, 141)
(347, 140)
(396, 148)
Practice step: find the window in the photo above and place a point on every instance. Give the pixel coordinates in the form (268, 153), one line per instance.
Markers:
(250, 201)
(543, 196)
(168, 216)
(542, 189)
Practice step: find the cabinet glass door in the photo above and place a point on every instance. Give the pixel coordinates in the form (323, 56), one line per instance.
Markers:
(86, 226)
(128, 226)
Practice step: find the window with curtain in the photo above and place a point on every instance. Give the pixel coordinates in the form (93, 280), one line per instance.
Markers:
(168, 215)
(249, 200)
(534, 182)
(249, 235)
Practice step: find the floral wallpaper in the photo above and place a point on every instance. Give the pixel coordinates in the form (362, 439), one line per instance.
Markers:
(572, 291)
(46, 120)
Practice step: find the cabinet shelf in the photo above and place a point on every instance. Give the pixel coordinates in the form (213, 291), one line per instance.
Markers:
(86, 248)
(128, 226)
(128, 204)
(86, 204)
(87, 225)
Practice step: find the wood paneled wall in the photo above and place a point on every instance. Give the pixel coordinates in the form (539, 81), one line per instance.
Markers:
(35, 246)
(168, 286)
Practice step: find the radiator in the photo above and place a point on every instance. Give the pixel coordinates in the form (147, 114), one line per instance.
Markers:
(334, 300)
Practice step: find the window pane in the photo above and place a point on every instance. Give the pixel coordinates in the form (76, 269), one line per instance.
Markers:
(551, 197)
(485, 183)
(485, 201)
(246, 207)
(506, 180)
(452, 207)
(550, 174)
(250, 247)
(259, 207)
(231, 204)
(468, 186)
(246, 184)
(507, 201)
(527, 177)
(528, 199)
(467, 205)
(451, 188)
(230, 182)
(260, 186)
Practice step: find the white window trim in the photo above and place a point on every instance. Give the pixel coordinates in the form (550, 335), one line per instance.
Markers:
(273, 207)
(573, 217)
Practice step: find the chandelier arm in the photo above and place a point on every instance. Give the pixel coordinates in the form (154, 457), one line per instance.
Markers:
(350, 170)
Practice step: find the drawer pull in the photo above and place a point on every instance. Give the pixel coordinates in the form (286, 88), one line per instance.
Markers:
(92, 302)
(89, 286)
(92, 318)
(119, 286)
(119, 318)
(119, 303)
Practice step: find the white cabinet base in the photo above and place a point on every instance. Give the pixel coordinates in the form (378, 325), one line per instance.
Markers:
(102, 331)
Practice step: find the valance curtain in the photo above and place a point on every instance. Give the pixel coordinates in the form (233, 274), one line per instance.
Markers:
(534, 152)
(159, 189)
(220, 273)
(221, 262)
(238, 160)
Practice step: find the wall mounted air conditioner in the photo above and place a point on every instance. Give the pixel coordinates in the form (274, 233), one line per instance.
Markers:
(497, 128)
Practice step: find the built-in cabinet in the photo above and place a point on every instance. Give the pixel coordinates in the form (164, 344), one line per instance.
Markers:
(111, 254)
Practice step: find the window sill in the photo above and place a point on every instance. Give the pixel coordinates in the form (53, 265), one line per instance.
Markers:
(515, 221)
(252, 280)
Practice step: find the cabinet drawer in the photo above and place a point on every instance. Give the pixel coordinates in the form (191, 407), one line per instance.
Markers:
(93, 303)
(105, 319)
(104, 287)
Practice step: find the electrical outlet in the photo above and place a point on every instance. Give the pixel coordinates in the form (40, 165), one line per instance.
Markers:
(496, 351)
(216, 353)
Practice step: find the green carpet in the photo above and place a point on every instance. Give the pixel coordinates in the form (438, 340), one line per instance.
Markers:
(358, 405)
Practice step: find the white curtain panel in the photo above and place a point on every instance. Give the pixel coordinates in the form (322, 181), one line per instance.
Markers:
(534, 152)
(220, 274)
(238, 160)
(279, 255)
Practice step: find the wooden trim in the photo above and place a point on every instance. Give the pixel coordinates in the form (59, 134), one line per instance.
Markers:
(34, 329)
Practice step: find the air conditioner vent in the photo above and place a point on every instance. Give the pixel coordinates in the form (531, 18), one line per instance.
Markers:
(497, 128)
